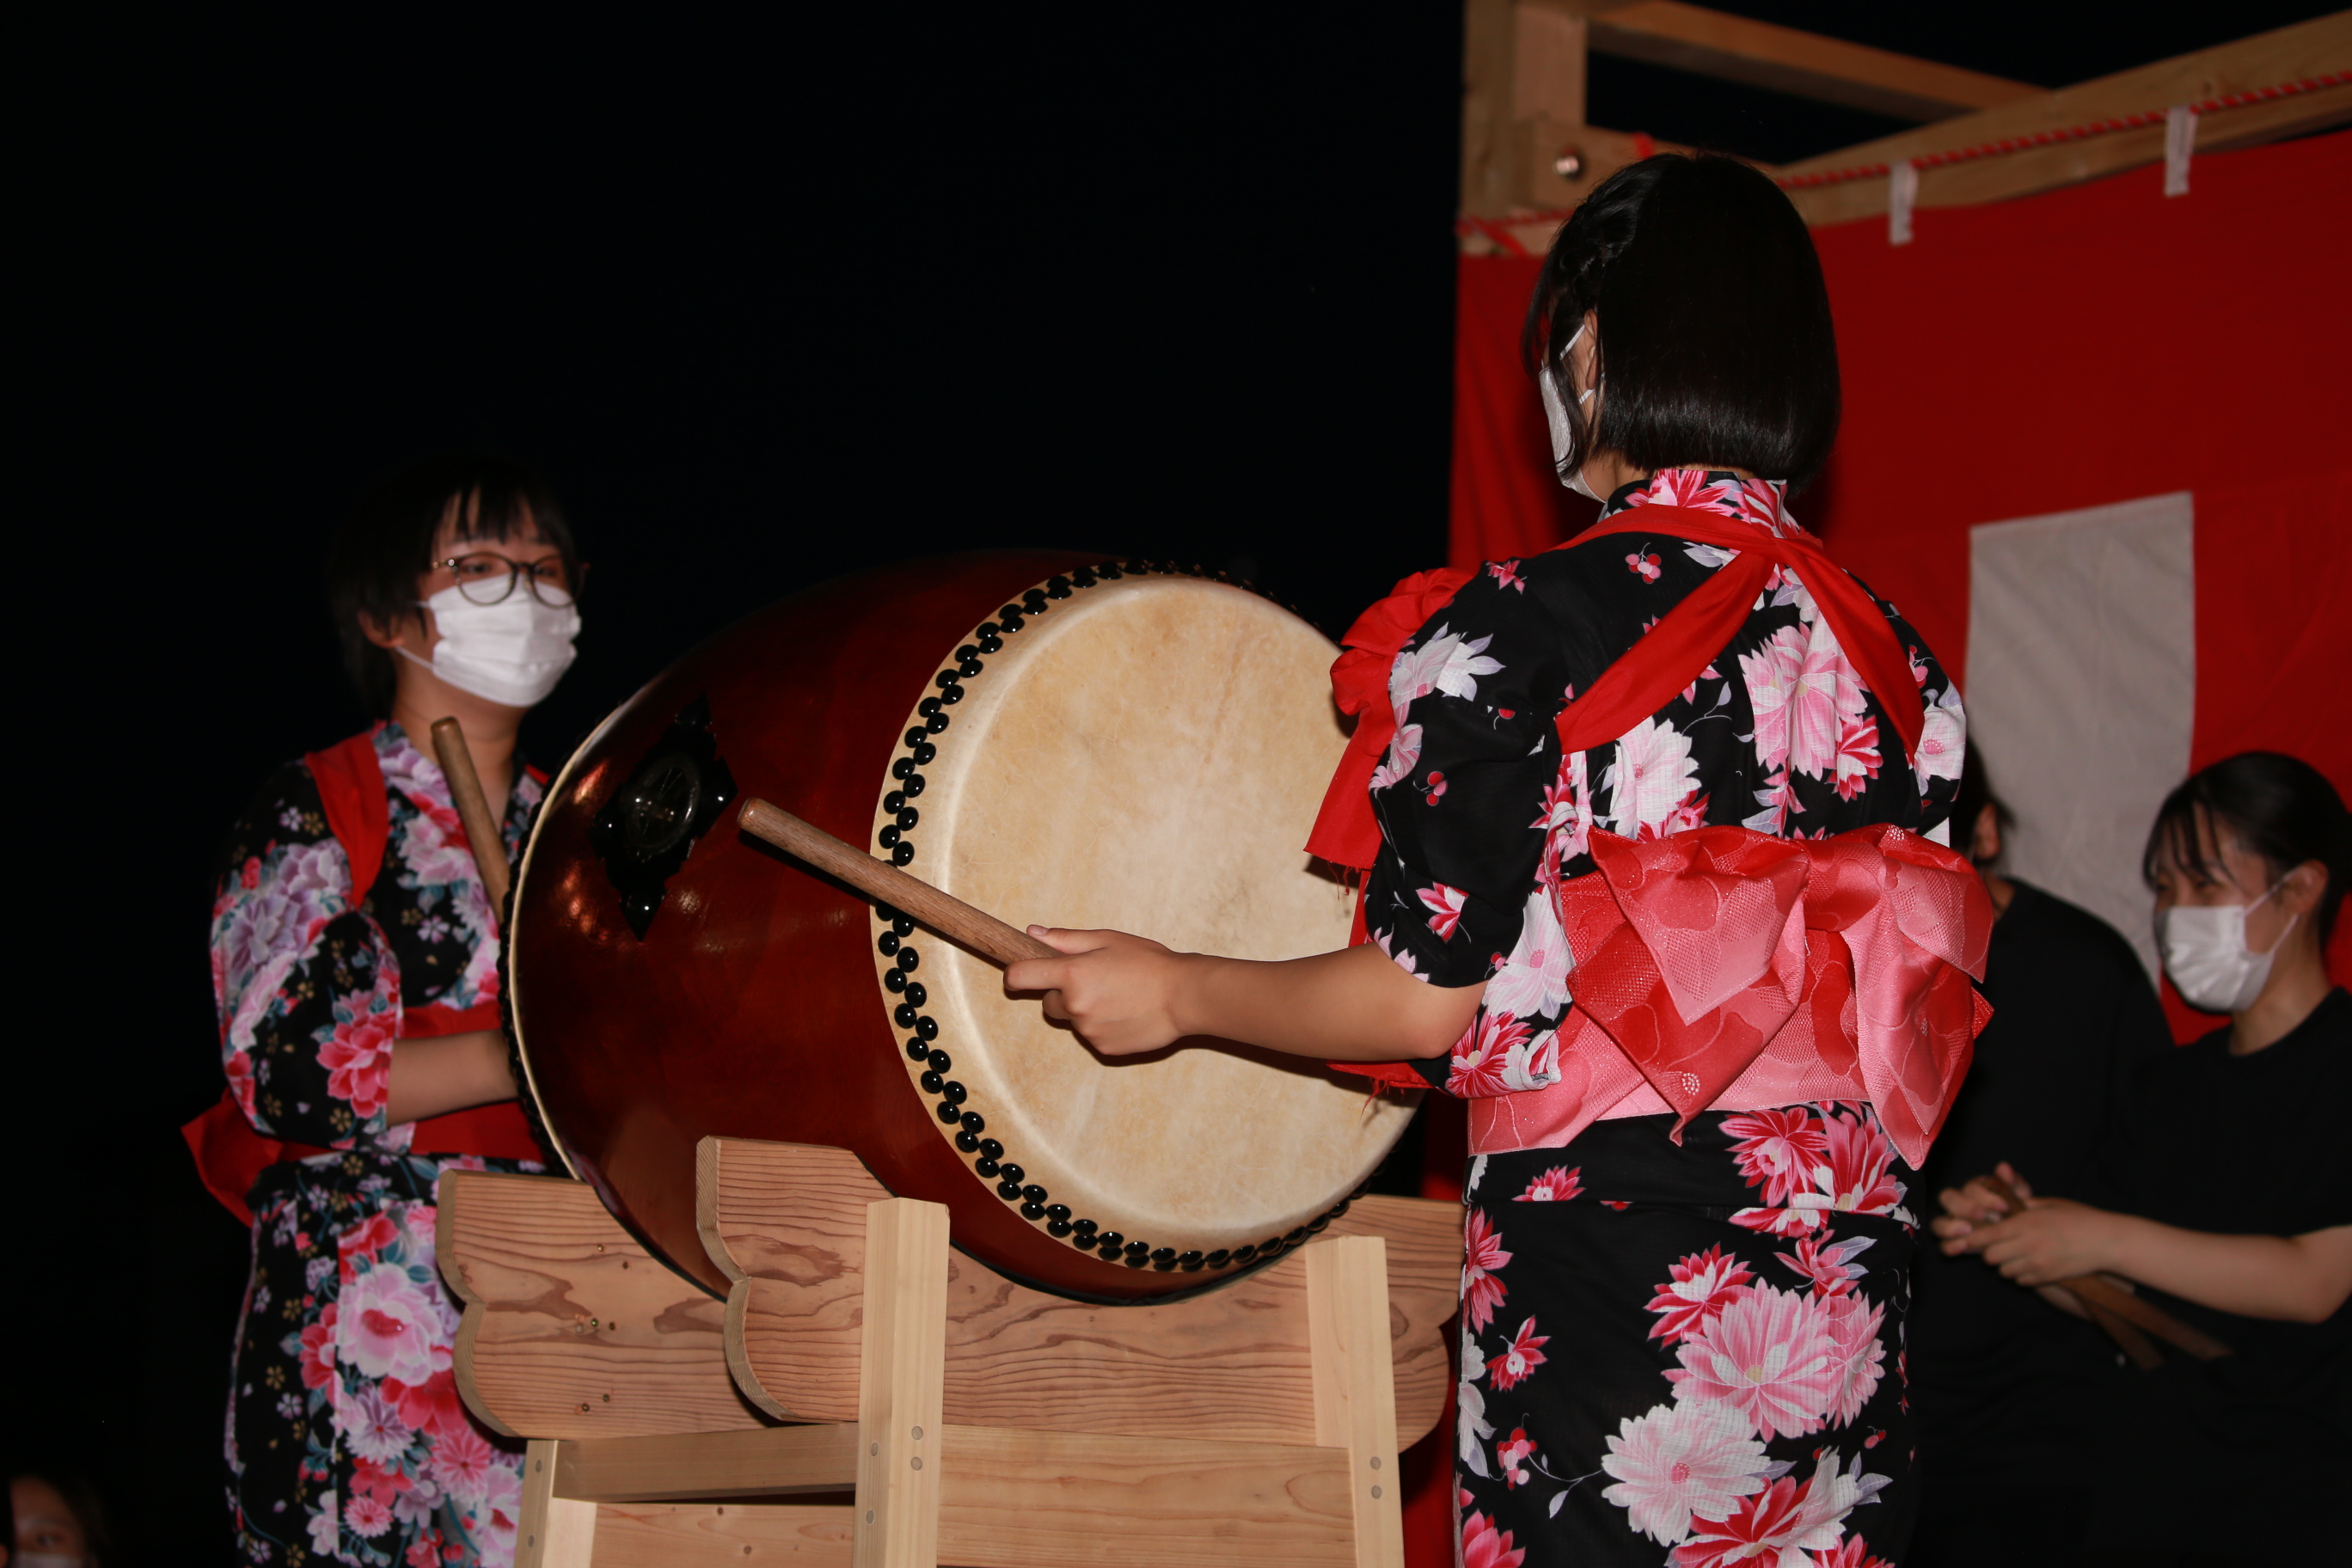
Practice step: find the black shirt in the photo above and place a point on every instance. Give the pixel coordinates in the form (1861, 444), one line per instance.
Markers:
(2010, 1391)
(2239, 1454)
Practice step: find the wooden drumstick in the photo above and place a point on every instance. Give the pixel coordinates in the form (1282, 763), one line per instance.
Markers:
(885, 884)
(2120, 1312)
(482, 836)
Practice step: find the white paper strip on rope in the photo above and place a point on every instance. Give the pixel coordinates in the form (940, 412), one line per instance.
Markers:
(2179, 146)
(2082, 687)
(1902, 194)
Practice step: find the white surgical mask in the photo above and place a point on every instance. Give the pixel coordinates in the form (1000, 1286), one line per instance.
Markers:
(512, 652)
(1563, 439)
(2204, 949)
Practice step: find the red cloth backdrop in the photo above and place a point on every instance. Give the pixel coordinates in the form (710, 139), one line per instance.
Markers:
(2091, 345)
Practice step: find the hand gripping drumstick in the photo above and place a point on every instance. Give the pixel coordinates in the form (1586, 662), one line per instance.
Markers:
(482, 836)
(888, 886)
(2121, 1313)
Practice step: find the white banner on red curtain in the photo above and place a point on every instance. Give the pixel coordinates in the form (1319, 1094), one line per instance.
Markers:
(2082, 691)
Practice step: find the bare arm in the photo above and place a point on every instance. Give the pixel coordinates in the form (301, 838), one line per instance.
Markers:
(2291, 1279)
(435, 1076)
(1125, 994)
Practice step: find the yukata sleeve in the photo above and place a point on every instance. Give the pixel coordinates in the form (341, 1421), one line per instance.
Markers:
(1944, 737)
(305, 987)
(1461, 795)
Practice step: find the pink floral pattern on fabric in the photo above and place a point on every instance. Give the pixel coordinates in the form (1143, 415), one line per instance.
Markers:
(1778, 733)
(348, 1441)
(1755, 1449)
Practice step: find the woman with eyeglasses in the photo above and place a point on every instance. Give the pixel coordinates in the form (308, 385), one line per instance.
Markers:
(356, 967)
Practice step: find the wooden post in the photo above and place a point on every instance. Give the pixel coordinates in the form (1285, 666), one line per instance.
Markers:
(1355, 1387)
(902, 1377)
(553, 1532)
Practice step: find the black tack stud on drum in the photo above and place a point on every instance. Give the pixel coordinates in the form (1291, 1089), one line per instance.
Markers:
(888, 837)
(1084, 577)
(985, 1165)
(1009, 1191)
(1218, 1258)
(956, 1095)
(917, 996)
(1243, 1254)
(1011, 615)
(1189, 1262)
(1108, 571)
(908, 959)
(952, 695)
(965, 652)
(1033, 1193)
(928, 707)
(902, 853)
(917, 1051)
(1032, 1211)
(902, 770)
(894, 980)
(992, 1148)
(948, 1112)
(931, 1082)
(918, 736)
(974, 1123)
(1058, 1212)
(907, 818)
(903, 1015)
(991, 644)
(928, 1026)
(968, 667)
(1315, 1226)
(966, 1143)
(944, 679)
(935, 722)
(1295, 1237)
(1058, 1228)
(1163, 1259)
(893, 801)
(1057, 587)
(1136, 1255)
(1014, 1173)
(940, 1061)
(1111, 1240)
(888, 941)
(924, 752)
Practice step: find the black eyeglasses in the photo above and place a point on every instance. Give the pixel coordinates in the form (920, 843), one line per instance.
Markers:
(484, 578)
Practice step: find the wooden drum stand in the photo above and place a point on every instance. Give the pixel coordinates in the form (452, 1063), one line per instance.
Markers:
(915, 1406)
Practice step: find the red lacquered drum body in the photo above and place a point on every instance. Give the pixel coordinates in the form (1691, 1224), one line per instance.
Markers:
(1057, 743)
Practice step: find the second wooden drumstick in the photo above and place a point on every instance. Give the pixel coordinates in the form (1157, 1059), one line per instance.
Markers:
(885, 884)
(482, 836)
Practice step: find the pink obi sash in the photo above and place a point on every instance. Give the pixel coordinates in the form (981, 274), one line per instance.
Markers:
(1723, 968)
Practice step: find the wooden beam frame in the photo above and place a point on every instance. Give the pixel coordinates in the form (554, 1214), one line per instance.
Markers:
(1804, 65)
(2304, 51)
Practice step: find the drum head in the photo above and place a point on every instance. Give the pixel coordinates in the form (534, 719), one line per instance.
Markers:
(1148, 757)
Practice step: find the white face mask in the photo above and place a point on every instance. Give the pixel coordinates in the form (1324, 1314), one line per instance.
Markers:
(2204, 949)
(512, 652)
(1563, 437)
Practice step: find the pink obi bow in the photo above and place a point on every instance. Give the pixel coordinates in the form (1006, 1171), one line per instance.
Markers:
(1696, 951)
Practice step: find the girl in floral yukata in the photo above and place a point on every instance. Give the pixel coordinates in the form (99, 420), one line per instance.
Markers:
(1654, 823)
(356, 967)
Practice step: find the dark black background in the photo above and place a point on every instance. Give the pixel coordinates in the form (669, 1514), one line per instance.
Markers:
(768, 300)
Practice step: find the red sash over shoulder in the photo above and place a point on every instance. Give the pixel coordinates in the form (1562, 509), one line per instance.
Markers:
(230, 1155)
(1719, 961)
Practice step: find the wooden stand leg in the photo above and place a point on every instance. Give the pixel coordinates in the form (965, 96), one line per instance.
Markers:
(903, 1366)
(553, 1532)
(1355, 1388)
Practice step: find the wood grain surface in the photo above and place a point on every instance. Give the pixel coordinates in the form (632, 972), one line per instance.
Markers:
(681, 1467)
(691, 1535)
(787, 1223)
(572, 1329)
(1035, 1500)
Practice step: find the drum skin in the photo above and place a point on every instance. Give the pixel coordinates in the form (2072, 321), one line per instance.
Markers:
(749, 1007)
